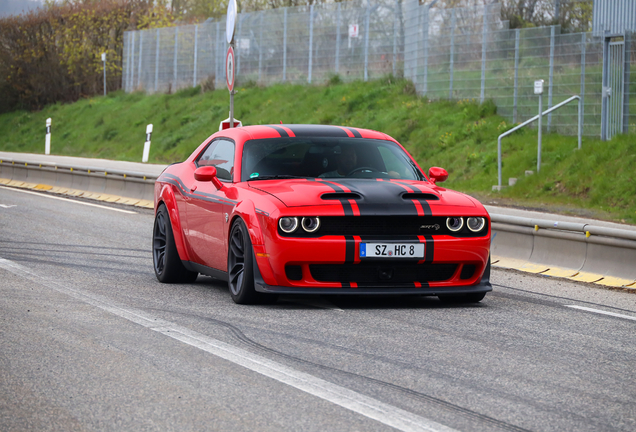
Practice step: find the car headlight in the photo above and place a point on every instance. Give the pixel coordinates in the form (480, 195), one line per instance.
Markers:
(288, 224)
(454, 224)
(311, 224)
(476, 224)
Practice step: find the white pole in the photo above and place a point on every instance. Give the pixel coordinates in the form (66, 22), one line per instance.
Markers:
(104, 61)
(47, 140)
(144, 159)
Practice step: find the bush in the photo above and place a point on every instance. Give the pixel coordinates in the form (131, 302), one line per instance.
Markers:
(54, 54)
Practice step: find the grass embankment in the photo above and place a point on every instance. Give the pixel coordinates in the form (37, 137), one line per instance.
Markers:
(461, 136)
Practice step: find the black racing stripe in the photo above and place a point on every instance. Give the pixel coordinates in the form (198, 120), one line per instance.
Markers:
(346, 284)
(381, 199)
(346, 205)
(355, 133)
(350, 251)
(176, 181)
(425, 205)
(317, 131)
(280, 130)
(429, 249)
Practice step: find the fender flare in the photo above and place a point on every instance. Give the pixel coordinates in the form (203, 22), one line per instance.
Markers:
(246, 211)
(166, 196)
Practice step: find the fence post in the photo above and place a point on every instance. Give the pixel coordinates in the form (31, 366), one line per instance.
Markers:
(395, 20)
(260, 46)
(338, 39)
(514, 106)
(552, 36)
(217, 72)
(196, 40)
(311, 41)
(176, 51)
(367, 19)
(425, 40)
(141, 38)
(452, 55)
(583, 49)
(483, 55)
(626, 72)
(157, 62)
(285, 45)
(132, 63)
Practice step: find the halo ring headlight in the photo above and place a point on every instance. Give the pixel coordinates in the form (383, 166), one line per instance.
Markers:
(311, 224)
(454, 224)
(288, 224)
(476, 224)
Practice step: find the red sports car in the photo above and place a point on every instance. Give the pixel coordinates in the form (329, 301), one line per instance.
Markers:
(313, 209)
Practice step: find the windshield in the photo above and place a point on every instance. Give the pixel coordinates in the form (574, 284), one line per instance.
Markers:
(326, 157)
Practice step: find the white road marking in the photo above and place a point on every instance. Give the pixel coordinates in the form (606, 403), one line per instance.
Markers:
(602, 312)
(7, 206)
(68, 200)
(369, 407)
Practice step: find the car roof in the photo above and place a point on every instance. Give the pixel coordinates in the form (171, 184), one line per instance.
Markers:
(308, 130)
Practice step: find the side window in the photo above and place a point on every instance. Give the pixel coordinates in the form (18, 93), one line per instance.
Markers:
(220, 154)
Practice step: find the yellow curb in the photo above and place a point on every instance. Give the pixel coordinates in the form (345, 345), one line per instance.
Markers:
(43, 187)
(74, 192)
(145, 204)
(59, 190)
(4, 181)
(561, 272)
(534, 268)
(29, 185)
(128, 201)
(92, 195)
(510, 263)
(586, 277)
(615, 282)
(15, 183)
(111, 198)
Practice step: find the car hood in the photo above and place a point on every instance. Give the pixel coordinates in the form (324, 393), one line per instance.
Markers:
(370, 195)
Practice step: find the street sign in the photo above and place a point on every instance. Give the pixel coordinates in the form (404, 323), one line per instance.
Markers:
(354, 30)
(230, 22)
(229, 69)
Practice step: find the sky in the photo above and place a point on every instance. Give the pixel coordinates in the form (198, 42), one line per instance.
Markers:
(16, 7)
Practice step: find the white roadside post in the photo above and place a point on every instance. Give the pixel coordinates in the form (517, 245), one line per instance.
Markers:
(230, 23)
(104, 62)
(47, 140)
(144, 159)
(538, 90)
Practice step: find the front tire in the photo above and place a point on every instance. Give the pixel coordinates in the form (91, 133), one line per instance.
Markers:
(240, 265)
(165, 258)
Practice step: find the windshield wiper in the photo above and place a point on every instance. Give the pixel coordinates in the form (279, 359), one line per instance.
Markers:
(276, 176)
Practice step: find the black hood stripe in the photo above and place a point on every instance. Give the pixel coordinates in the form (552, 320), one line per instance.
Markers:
(425, 205)
(280, 130)
(346, 205)
(380, 197)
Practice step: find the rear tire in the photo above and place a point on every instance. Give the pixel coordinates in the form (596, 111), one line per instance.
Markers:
(165, 258)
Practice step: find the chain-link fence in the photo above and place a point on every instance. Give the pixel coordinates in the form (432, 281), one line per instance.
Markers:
(462, 53)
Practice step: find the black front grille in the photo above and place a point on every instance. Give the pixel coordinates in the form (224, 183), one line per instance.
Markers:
(467, 271)
(382, 272)
(382, 226)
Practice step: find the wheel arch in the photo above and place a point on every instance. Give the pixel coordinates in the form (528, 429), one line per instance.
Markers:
(246, 211)
(166, 197)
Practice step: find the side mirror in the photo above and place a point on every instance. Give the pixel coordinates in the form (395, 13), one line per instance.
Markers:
(208, 174)
(437, 174)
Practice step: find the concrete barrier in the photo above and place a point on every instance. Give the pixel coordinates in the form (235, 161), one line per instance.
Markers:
(578, 251)
(126, 187)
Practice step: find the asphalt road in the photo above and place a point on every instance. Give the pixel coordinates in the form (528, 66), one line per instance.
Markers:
(90, 340)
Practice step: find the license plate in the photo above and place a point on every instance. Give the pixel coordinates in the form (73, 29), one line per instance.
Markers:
(391, 250)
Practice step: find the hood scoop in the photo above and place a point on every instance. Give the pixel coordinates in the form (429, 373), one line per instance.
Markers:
(340, 196)
(420, 196)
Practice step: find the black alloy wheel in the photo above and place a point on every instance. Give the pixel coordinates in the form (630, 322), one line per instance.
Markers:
(167, 264)
(240, 265)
